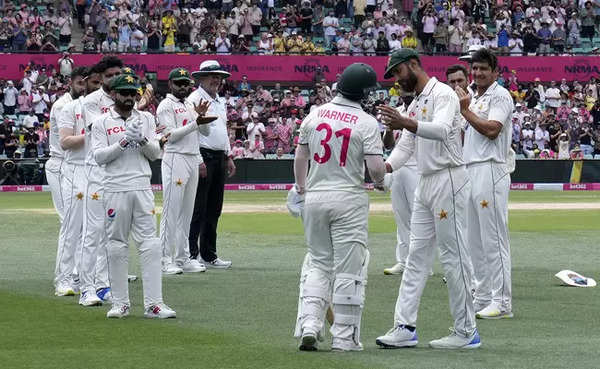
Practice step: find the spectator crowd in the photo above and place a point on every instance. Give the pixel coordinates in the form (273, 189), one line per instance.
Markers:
(343, 27)
(552, 120)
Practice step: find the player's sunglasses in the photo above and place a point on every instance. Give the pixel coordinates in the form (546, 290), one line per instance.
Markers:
(182, 83)
(129, 93)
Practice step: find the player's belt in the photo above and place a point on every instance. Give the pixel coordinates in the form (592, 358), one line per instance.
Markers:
(208, 154)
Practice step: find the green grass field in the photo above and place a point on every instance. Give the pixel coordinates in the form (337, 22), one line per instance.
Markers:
(244, 317)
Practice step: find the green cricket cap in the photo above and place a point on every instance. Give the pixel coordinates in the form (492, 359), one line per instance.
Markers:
(399, 57)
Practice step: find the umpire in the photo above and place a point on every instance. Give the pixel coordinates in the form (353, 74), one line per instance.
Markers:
(218, 163)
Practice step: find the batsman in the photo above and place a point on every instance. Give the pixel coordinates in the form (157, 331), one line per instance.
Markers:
(337, 138)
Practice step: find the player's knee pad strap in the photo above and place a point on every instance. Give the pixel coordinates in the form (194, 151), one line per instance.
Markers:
(347, 319)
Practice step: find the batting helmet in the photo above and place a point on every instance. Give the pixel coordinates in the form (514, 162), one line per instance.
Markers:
(357, 81)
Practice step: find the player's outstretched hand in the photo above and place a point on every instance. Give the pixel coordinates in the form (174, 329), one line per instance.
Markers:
(202, 107)
(391, 117)
(463, 97)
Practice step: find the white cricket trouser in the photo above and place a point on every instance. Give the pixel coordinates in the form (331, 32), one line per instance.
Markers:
(404, 184)
(180, 182)
(132, 213)
(335, 225)
(73, 189)
(488, 233)
(54, 172)
(439, 216)
(93, 267)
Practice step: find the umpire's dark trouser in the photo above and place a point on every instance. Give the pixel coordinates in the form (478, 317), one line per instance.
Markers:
(208, 206)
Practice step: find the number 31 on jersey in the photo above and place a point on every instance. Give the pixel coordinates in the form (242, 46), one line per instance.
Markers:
(344, 133)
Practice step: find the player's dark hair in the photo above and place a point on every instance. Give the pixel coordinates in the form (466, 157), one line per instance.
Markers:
(485, 56)
(79, 72)
(457, 68)
(108, 62)
(96, 69)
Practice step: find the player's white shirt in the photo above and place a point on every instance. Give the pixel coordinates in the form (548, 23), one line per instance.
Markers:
(126, 169)
(437, 143)
(56, 151)
(71, 117)
(218, 139)
(95, 105)
(339, 134)
(495, 104)
(179, 119)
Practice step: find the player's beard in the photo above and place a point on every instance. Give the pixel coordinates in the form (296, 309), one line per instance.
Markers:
(409, 83)
(181, 93)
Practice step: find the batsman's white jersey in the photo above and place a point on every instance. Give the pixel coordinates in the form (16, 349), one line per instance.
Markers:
(54, 165)
(439, 213)
(73, 190)
(338, 135)
(488, 166)
(179, 175)
(129, 202)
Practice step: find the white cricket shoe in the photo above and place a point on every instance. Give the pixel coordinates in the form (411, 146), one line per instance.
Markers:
(494, 311)
(64, 289)
(218, 264)
(131, 278)
(395, 270)
(193, 266)
(308, 342)
(341, 345)
(89, 298)
(397, 337)
(456, 342)
(478, 306)
(171, 269)
(118, 311)
(160, 311)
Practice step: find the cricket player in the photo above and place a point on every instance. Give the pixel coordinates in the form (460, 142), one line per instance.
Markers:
(90, 264)
(95, 104)
(54, 165)
(124, 141)
(486, 152)
(337, 138)
(182, 125)
(71, 193)
(439, 211)
(404, 183)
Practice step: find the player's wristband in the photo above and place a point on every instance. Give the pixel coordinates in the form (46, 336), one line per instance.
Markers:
(123, 143)
(143, 142)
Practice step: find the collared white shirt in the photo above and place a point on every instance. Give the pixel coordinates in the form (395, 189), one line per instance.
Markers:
(125, 169)
(218, 139)
(96, 104)
(71, 117)
(56, 151)
(494, 104)
(339, 134)
(437, 143)
(179, 119)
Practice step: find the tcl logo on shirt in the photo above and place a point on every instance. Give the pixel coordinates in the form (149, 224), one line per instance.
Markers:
(180, 110)
(115, 130)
